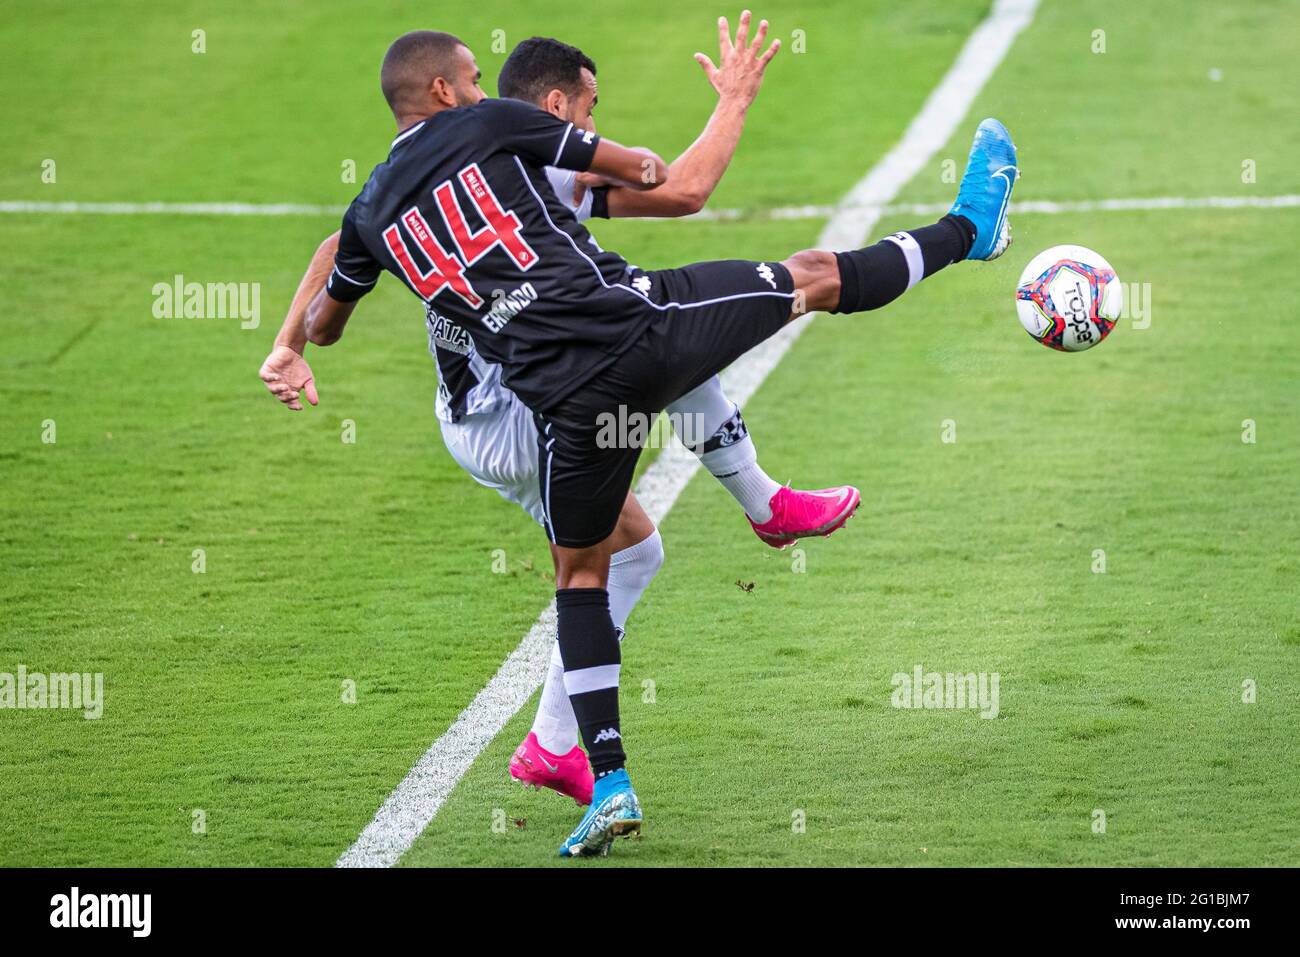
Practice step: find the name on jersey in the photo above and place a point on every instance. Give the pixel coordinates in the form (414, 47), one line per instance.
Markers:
(508, 305)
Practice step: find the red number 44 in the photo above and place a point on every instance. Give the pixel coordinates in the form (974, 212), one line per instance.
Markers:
(446, 271)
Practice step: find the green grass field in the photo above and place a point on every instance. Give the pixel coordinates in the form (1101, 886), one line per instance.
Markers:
(371, 562)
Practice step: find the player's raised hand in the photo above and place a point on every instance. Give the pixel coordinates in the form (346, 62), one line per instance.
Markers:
(286, 374)
(739, 72)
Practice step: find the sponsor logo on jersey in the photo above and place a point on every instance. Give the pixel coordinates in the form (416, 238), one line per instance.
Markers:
(642, 285)
(765, 273)
(446, 334)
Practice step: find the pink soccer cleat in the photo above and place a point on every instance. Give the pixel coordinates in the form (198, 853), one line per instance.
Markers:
(569, 774)
(797, 514)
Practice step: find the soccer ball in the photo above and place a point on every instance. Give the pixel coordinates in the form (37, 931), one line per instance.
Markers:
(1069, 298)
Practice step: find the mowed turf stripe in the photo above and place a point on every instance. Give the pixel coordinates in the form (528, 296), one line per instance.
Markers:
(23, 207)
(417, 799)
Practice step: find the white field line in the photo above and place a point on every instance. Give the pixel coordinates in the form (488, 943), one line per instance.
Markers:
(706, 215)
(410, 808)
(1021, 208)
(171, 209)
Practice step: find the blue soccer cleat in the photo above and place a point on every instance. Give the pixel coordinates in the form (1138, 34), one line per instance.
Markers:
(985, 192)
(614, 812)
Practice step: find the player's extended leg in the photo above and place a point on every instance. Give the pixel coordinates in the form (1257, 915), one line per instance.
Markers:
(711, 426)
(975, 228)
(550, 756)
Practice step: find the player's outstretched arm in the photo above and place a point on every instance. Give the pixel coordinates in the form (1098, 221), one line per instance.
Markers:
(637, 168)
(285, 371)
(695, 174)
(326, 318)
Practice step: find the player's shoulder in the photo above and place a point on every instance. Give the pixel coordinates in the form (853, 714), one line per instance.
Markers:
(503, 106)
(505, 115)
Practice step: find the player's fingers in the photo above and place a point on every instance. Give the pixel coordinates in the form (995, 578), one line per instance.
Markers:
(310, 388)
(724, 35)
(771, 52)
(706, 63)
(759, 37)
(268, 376)
(742, 31)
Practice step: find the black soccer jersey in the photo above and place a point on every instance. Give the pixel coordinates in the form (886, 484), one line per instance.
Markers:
(463, 214)
(467, 383)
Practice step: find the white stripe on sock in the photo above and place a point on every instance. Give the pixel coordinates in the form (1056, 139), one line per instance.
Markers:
(591, 679)
(912, 252)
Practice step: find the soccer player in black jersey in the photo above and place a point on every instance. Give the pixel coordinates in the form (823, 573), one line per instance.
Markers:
(492, 435)
(462, 213)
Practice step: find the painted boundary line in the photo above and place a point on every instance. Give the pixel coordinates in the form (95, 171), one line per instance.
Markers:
(170, 209)
(1135, 203)
(416, 800)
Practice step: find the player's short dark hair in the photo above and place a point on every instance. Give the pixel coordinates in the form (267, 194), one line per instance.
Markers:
(413, 62)
(538, 65)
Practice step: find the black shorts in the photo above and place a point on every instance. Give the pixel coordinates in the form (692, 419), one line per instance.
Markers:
(702, 318)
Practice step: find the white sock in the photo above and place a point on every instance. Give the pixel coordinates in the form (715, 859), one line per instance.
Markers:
(555, 726)
(734, 464)
(749, 485)
(630, 573)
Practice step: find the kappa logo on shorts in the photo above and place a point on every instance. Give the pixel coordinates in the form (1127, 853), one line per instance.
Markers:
(766, 274)
(642, 285)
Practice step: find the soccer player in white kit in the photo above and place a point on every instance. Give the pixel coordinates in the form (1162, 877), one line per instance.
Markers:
(491, 434)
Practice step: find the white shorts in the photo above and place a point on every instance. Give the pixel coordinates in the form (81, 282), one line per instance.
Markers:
(499, 450)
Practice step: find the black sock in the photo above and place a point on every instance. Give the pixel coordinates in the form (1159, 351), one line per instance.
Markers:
(875, 276)
(589, 649)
